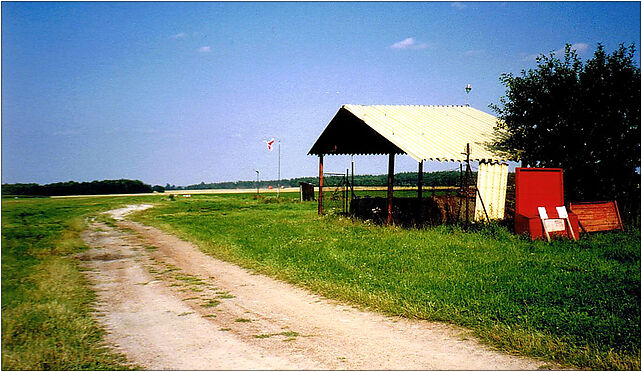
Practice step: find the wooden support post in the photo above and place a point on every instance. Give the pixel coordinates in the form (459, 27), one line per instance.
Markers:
(420, 197)
(461, 189)
(352, 182)
(481, 201)
(321, 184)
(345, 193)
(420, 180)
(467, 183)
(391, 176)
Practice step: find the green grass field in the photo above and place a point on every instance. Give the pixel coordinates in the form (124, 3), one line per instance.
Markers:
(46, 304)
(577, 304)
(574, 303)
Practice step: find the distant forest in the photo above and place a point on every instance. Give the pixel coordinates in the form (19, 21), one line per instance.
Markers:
(444, 178)
(121, 186)
(124, 186)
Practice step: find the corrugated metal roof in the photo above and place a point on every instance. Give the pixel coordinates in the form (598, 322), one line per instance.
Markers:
(423, 132)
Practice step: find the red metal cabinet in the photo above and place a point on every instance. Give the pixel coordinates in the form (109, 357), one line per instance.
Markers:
(539, 187)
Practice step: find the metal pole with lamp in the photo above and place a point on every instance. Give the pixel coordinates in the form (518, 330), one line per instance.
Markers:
(468, 89)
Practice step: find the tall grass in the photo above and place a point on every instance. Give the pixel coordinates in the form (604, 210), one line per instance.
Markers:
(577, 304)
(46, 303)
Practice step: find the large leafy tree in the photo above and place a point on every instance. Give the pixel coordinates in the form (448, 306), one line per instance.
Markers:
(582, 117)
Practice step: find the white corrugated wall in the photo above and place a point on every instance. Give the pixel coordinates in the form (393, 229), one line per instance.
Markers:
(492, 180)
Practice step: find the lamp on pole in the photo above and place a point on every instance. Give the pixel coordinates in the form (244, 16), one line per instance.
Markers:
(468, 89)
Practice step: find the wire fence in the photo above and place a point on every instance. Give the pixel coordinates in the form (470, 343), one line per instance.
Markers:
(336, 195)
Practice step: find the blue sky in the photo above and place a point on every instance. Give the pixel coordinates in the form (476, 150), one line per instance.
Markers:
(186, 92)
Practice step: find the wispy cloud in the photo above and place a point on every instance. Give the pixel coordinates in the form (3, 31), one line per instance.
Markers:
(458, 5)
(205, 49)
(580, 48)
(474, 52)
(180, 35)
(409, 43)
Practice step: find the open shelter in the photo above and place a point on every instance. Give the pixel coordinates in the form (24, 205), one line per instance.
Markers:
(441, 133)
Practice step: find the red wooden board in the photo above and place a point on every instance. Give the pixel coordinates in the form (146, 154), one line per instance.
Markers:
(597, 216)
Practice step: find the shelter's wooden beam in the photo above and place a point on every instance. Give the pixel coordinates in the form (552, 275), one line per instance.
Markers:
(420, 180)
(321, 184)
(391, 175)
(420, 184)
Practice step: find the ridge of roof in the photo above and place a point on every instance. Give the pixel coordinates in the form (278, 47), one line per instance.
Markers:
(352, 104)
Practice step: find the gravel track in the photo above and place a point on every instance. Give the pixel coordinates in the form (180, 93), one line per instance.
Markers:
(166, 305)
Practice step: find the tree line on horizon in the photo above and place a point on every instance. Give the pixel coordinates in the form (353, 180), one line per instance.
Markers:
(126, 186)
(440, 178)
(121, 186)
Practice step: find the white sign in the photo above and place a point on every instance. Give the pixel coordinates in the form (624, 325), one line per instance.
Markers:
(554, 225)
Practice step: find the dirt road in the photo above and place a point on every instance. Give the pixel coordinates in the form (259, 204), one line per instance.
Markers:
(166, 305)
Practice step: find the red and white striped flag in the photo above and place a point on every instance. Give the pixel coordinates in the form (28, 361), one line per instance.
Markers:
(270, 143)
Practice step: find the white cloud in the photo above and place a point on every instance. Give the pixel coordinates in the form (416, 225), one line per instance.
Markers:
(205, 49)
(409, 43)
(580, 48)
(180, 35)
(406, 43)
(458, 5)
(474, 52)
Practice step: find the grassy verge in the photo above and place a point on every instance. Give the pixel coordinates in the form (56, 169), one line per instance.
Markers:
(46, 304)
(577, 304)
